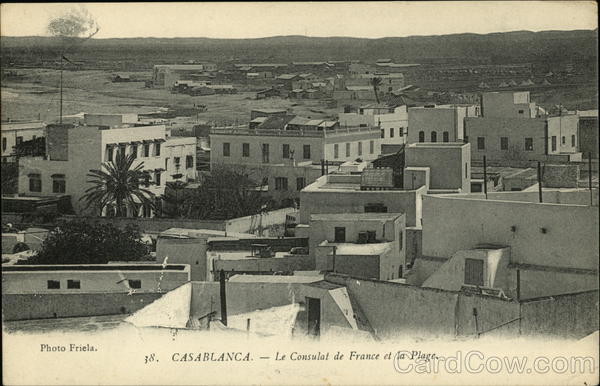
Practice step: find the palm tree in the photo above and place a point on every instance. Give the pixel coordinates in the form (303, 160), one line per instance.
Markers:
(118, 184)
(376, 82)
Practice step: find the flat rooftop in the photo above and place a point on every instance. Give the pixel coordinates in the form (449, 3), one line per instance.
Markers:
(204, 233)
(355, 216)
(276, 278)
(369, 249)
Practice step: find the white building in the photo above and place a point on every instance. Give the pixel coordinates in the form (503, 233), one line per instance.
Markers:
(72, 151)
(393, 121)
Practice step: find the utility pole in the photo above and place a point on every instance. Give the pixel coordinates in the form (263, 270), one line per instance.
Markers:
(590, 178)
(539, 177)
(61, 90)
(485, 177)
(223, 298)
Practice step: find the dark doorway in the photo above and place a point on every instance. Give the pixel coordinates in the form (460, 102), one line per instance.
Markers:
(340, 234)
(314, 316)
(474, 272)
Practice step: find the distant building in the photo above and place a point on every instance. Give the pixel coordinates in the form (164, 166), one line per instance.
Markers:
(506, 139)
(391, 120)
(256, 113)
(438, 123)
(165, 75)
(508, 104)
(288, 160)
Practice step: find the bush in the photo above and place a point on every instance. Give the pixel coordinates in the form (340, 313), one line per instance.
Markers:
(77, 242)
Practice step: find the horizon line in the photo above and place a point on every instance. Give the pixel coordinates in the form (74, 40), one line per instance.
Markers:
(307, 36)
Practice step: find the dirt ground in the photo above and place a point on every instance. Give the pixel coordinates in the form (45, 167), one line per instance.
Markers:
(36, 96)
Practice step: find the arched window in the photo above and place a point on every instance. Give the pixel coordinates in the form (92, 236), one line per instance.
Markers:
(446, 136)
(433, 136)
(421, 136)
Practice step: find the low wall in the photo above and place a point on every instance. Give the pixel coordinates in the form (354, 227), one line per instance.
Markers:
(151, 225)
(395, 309)
(276, 244)
(570, 315)
(257, 223)
(288, 263)
(41, 306)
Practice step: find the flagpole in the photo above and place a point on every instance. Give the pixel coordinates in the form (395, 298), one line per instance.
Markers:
(61, 90)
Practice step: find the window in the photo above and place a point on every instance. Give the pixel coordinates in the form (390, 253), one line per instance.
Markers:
(347, 149)
(573, 140)
(281, 183)
(382, 133)
(265, 153)
(554, 143)
(446, 136)
(433, 136)
(19, 140)
(146, 150)
(564, 140)
(375, 208)
(474, 272)
(371, 147)
(401, 131)
(35, 182)
(157, 149)
(467, 170)
(306, 151)
(157, 178)
(134, 284)
(286, 150)
(466, 139)
(58, 183)
(167, 163)
(4, 144)
(177, 162)
(400, 240)
(134, 150)
(122, 149)
(300, 183)
(336, 151)
(245, 150)
(109, 153)
(226, 149)
(189, 161)
(521, 111)
(503, 143)
(340, 234)
(529, 144)
(391, 132)
(359, 148)
(480, 143)
(53, 284)
(73, 284)
(421, 136)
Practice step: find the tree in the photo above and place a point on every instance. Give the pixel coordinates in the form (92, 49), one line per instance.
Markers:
(174, 199)
(33, 148)
(10, 175)
(77, 242)
(120, 185)
(225, 193)
(376, 82)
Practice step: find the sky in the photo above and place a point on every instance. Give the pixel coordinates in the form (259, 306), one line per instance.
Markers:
(263, 19)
